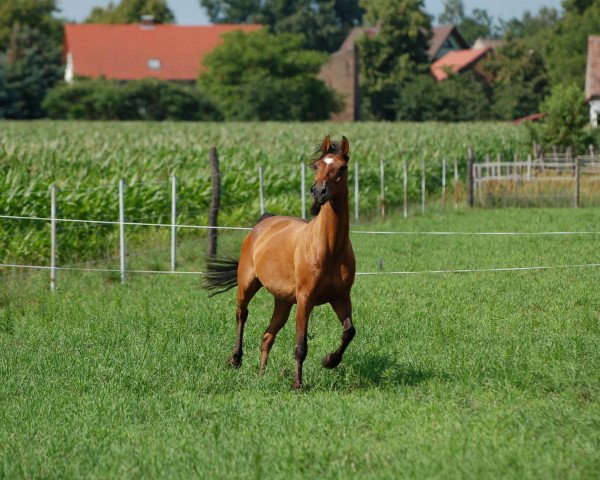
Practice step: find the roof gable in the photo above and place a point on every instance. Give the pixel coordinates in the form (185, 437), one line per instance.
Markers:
(132, 52)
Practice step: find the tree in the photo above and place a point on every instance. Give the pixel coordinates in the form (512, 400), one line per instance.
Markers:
(33, 13)
(520, 80)
(28, 69)
(530, 24)
(263, 76)
(393, 57)
(567, 51)
(130, 11)
(566, 118)
(478, 25)
(453, 14)
(323, 23)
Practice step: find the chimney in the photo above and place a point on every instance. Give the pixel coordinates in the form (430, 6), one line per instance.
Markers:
(147, 21)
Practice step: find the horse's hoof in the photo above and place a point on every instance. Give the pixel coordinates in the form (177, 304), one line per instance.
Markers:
(297, 385)
(234, 362)
(331, 361)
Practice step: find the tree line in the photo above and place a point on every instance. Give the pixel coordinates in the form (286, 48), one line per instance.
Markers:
(271, 74)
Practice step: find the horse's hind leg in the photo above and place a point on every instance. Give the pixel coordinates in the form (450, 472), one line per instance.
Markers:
(246, 290)
(343, 309)
(281, 312)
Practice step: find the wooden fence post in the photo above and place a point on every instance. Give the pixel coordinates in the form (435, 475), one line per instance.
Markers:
(356, 193)
(444, 183)
(382, 182)
(470, 177)
(455, 183)
(261, 189)
(173, 222)
(215, 201)
(423, 186)
(303, 188)
(405, 188)
(577, 181)
(122, 227)
(53, 237)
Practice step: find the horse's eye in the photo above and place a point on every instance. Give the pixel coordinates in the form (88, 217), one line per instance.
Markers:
(342, 170)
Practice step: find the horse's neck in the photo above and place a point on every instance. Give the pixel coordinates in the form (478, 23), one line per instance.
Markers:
(332, 226)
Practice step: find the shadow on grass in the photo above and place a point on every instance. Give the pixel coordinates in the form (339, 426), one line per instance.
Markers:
(381, 370)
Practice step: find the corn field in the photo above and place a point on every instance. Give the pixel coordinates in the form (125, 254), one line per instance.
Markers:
(86, 160)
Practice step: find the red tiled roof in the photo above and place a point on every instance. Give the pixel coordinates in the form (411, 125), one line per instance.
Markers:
(122, 52)
(529, 118)
(456, 61)
(592, 75)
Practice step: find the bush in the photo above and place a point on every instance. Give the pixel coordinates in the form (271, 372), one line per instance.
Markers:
(462, 97)
(566, 119)
(147, 99)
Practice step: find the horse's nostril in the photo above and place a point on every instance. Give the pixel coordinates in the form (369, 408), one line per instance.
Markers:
(323, 190)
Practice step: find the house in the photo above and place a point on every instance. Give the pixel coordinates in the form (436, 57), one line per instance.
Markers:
(136, 51)
(592, 78)
(448, 51)
(458, 61)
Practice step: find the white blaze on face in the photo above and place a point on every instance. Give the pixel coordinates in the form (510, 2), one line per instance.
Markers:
(328, 161)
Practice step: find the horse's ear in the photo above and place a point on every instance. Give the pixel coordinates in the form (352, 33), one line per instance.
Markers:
(326, 145)
(345, 146)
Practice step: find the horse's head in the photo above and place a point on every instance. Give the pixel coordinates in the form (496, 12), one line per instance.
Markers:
(331, 172)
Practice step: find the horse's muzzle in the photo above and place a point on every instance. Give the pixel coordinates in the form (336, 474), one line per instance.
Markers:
(319, 193)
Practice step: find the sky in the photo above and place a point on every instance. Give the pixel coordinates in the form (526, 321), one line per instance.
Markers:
(188, 12)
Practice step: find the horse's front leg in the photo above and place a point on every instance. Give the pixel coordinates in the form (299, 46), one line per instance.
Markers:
(303, 310)
(343, 309)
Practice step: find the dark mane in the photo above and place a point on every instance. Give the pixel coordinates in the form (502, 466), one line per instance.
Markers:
(317, 154)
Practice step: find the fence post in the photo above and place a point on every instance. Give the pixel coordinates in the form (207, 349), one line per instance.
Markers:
(261, 190)
(382, 182)
(423, 187)
(529, 168)
(215, 201)
(405, 185)
(444, 183)
(470, 177)
(591, 147)
(303, 188)
(53, 237)
(173, 222)
(356, 195)
(577, 181)
(455, 183)
(122, 228)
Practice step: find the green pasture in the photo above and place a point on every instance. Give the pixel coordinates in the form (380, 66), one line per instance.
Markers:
(478, 375)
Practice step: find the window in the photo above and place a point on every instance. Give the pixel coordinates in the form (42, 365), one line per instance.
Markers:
(154, 64)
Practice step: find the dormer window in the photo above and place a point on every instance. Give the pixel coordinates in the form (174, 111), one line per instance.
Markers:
(154, 64)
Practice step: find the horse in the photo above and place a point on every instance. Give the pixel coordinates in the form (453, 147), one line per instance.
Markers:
(298, 262)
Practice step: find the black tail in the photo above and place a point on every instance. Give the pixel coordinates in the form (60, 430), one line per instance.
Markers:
(220, 274)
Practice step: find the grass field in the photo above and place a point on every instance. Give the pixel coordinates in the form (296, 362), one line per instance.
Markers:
(480, 375)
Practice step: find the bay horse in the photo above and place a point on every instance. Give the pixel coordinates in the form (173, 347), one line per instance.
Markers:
(299, 262)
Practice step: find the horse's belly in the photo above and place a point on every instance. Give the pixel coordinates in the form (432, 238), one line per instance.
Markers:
(277, 278)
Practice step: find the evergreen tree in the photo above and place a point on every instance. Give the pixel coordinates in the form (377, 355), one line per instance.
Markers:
(28, 69)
